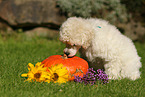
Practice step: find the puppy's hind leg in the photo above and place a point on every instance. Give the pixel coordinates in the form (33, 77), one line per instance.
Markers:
(131, 70)
(112, 69)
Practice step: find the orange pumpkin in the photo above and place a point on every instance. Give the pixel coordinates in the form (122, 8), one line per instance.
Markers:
(75, 65)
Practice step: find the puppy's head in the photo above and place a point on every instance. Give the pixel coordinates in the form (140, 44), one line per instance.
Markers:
(71, 49)
(75, 33)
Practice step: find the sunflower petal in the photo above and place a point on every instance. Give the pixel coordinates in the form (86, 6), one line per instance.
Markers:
(39, 64)
(41, 68)
(48, 81)
(30, 66)
(62, 72)
(45, 75)
(62, 80)
(24, 75)
(30, 75)
(59, 66)
(42, 79)
(65, 76)
(44, 68)
(50, 70)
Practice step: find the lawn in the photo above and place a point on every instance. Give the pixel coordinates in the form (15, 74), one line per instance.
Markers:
(17, 51)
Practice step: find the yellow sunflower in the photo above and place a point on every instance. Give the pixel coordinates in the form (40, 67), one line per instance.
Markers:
(37, 73)
(59, 74)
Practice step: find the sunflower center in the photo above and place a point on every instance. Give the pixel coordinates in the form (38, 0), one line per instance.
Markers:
(55, 76)
(37, 75)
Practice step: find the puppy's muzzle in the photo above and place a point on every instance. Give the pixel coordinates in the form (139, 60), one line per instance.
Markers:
(67, 53)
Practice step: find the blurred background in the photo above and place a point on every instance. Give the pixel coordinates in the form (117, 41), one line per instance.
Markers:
(44, 17)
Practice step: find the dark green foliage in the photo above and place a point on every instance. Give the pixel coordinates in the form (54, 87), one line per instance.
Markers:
(136, 8)
(111, 10)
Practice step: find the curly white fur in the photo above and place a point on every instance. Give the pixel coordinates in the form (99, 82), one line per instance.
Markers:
(102, 42)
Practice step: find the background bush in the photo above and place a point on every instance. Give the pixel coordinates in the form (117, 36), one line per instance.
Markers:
(136, 8)
(111, 10)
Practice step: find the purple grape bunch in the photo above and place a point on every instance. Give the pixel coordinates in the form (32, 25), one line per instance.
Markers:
(91, 77)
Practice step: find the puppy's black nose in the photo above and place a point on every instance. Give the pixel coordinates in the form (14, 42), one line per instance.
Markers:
(67, 53)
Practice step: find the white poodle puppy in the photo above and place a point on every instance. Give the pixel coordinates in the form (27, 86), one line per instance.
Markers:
(102, 45)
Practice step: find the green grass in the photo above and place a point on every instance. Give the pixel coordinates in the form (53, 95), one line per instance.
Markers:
(16, 52)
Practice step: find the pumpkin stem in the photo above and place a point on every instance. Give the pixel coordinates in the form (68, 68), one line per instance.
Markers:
(64, 56)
